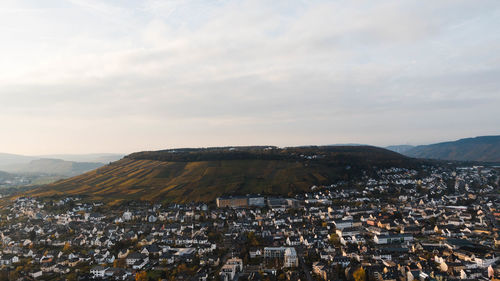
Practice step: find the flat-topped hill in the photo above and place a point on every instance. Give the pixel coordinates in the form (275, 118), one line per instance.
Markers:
(184, 175)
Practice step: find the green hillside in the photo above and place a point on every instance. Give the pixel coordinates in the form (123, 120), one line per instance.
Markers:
(185, 175)
(486, 148)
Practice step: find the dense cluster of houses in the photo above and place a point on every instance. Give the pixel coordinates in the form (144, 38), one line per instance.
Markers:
(439, 223)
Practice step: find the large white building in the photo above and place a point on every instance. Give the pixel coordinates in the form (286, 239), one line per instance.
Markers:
(256, 201)
(231, 268)
(341, 224)
(288, 254)
(274, 252)
(388, 239)
(290, 258)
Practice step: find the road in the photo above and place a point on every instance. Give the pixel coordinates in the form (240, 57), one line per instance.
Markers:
(302, 263)
(490, 216)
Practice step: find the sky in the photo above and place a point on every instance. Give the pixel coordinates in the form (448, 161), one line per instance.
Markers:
(86, 76)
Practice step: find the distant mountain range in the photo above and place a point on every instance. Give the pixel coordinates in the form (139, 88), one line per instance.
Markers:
(400, 148)
(483, 148)
(61, 165)
(185, 175)
(54, 167)
(7, 159)
(104, 158)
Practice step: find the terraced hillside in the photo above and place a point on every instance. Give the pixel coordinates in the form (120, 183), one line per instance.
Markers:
(204, 174)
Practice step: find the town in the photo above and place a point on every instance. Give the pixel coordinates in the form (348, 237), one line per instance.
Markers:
(438, 223)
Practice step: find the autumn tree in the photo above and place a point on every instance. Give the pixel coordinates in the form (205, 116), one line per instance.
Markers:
(334, 240)
(119, 263)
(252, 240)
(141, 276)
(359, 274)
(67, 247)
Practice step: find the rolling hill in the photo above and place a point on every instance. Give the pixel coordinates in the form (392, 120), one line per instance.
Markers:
(54, 167)
(104, 158)
(7, 160)
(60, 164)
(184, 175)
(400, 148)
(485, 148)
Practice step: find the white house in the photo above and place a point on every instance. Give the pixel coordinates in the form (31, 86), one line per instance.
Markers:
(98, 271)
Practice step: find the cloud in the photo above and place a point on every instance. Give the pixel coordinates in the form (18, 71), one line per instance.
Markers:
(279, 73)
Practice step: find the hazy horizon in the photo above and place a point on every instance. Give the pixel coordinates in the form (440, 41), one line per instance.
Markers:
(80, 77)
(54, 155)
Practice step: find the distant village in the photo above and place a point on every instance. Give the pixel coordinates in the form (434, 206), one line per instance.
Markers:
(439, 223)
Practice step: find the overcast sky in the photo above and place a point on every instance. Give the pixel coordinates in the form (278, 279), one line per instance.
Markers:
(81, 76)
